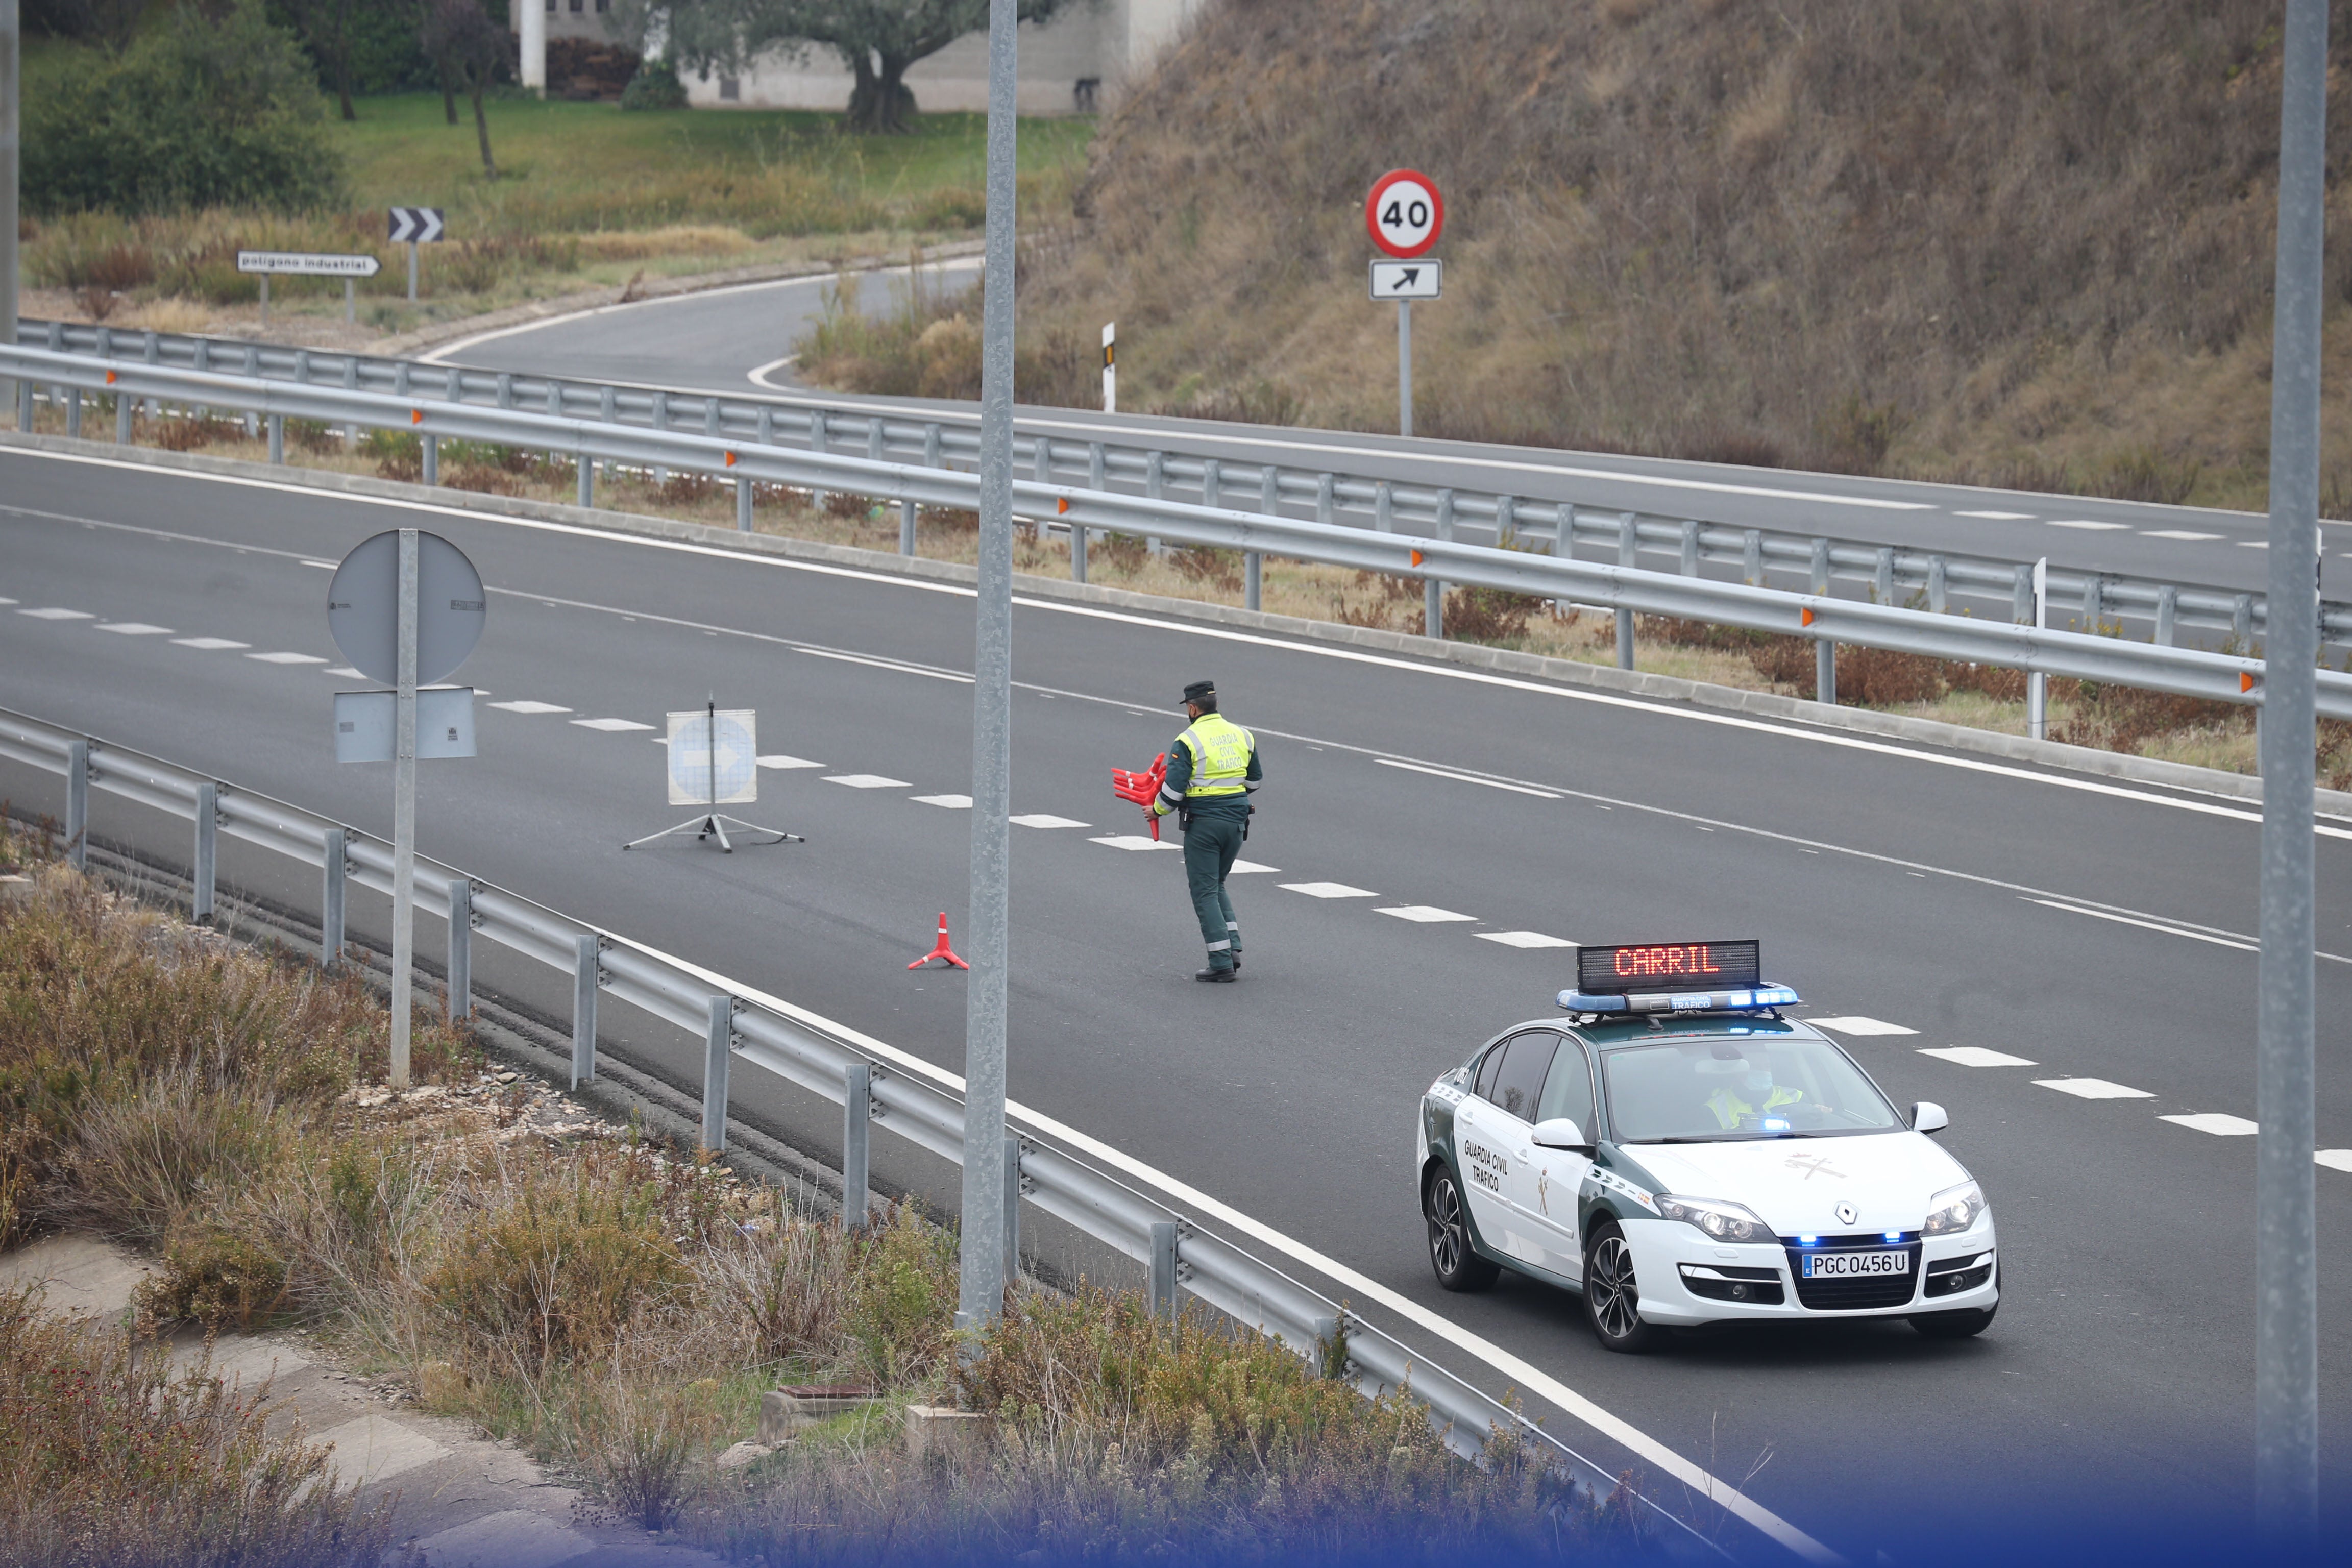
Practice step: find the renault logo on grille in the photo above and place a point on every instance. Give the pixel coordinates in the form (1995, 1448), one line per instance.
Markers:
(1847, 1214)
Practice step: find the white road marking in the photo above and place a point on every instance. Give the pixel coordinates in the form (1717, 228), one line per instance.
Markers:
(2254, 544)
(1975, 1057)
(321, 565)
(134, 629)
(780, 761)
(2216, 1123)
(1251, 869)
(611, 726)
(2092, 1088)
(758, 374)
(1423, 914)
(281, 657)
(1045, 819)
(952, 802)
(8, 601)
(2147, 925)
(1998, 516)
(1859, 1026)
(53, 614)
(1136, 841)
(209, 645)
(2084, 522)
(1523, 939)
(1467, 778)
(2334, 1159)
(345, 672)
(525, 705)
(867, 780)
(888, 664)
(2188, 535)
(1329, 890)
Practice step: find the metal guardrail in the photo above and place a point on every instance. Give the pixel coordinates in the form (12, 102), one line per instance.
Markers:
(903, 1096)
(748, 456)
(1939, 581)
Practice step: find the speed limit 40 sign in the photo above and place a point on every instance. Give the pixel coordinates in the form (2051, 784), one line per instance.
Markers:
(1404, 213)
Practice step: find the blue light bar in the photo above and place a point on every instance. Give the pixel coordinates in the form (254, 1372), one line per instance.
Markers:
(1761, 999)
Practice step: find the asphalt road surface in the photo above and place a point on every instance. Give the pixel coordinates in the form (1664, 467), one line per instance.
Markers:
(1415, 814)
(741, 340)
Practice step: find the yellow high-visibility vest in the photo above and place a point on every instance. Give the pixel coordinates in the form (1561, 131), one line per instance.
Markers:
(1221, 754)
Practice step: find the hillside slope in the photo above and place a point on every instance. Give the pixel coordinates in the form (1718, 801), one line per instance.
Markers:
(2007, 240)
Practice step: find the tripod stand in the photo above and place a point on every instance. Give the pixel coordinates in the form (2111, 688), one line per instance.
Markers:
(713, 823)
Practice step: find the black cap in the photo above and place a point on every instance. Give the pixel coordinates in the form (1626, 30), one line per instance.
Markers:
(1200, 692)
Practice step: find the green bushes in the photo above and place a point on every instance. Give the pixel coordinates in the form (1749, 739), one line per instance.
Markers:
(209, 111)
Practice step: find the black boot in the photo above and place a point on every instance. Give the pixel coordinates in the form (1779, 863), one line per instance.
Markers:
(1219, 977)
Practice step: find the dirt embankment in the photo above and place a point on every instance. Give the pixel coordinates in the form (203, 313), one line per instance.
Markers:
(2010, 240)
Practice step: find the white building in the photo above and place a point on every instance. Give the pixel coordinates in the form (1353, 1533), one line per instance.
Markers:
(1073, 65)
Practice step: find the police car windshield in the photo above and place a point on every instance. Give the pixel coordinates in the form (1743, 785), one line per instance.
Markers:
(1715, 1090)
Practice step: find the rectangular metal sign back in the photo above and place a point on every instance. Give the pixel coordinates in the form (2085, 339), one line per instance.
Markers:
(364, 722)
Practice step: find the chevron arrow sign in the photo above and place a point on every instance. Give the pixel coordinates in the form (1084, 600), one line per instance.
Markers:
(416, 226)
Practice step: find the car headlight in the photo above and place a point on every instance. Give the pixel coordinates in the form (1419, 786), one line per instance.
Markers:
(1953, 1210)
(1720, 1220)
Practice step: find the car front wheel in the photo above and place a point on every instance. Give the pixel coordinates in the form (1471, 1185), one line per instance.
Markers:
(1456, 1261)
(1612, 1297)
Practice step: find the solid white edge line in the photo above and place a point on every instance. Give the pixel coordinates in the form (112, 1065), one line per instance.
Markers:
(1476, 676)
(1525, 1376)
(2146, 925)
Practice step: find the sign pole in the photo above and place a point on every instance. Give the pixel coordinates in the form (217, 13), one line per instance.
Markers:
(403, 814)
(2037, 685)
(1110, 367)
(1404, 367)
(265, 298)
(10, 40)
(2286, 1260)
(412, 272)
(351, 300)
(982, 1260)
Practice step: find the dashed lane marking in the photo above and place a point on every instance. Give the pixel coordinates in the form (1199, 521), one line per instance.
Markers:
(1467, 778)
(281, 657)
(1998, 516)
(1523, 939)
(1139, 843)
(1329, 890)
(524, 705)
(1251, 867)
(1047, 820)
(2085, 523)
(2254, 544)
(2184, 534)
(208, 645)
(1976, 1056)
(867, 780)
(2092, 1088)
(1859, 1026)
(611, 726)
(780, 761)
(53, 613)
(2215, 1122)
(2147, 925)
(2334, 1159)
(134, 629)
(1424, 914)
(952, 802)
(345, 672)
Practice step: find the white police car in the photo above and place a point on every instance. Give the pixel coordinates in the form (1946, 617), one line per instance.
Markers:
(1690, 1156)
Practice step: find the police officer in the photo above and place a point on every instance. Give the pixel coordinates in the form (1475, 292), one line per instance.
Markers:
(1212, 768)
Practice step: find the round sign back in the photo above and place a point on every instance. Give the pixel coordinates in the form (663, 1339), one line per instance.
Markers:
(1404, 213)
(364, 608)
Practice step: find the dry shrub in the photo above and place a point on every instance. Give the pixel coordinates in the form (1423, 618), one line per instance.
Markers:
(1489, 616)
(1998, 682)
(193, 432)
(685, 489)
(1208, 565)
(109, 1455)
(2124, 718)
(481, 478)
(844, 504)
(636, 1436)
(1261, 402)
(1882, 677)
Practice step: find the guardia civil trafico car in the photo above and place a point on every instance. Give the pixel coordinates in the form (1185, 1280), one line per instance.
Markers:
(1681, 1152)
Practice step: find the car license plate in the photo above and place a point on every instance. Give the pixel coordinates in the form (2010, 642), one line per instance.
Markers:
(1855, 1265)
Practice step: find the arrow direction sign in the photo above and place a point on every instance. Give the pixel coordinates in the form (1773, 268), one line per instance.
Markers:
(1406, 280)
(417, 226)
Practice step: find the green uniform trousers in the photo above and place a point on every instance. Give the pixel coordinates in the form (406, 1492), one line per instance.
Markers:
(1210, 845)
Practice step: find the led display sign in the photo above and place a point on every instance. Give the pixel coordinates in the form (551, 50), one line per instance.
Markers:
(1669, 967)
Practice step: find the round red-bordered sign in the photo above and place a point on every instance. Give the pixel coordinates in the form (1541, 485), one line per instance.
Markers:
(1404, 214)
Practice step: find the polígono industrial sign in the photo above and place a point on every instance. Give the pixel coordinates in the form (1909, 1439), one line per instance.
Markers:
(307, 264)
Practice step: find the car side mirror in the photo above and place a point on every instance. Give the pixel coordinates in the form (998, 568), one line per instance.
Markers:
(1928, 1116)
(1561, 1133)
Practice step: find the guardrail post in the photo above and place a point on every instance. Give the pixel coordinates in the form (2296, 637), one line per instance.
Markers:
(151, 351)
(505, 389)
(857, 1119)
(1563, 529)
(907, 536)
(2021, 595)
(1041, 453)
(124, 406)
(1269, 501)
(587, 478)
(1212, 483)
(743, 503)
(931, 444)
(200, 897)
(1628, 554)
(399, 371)
(1326, 487)
(431, 460)
(820, 436)
(874, 435)
(1383, 513)
(1882, 577)
(1155, 481)
(1011, 1208)
(331, 899)
(2242, 622)
(585, 977)
(2167, 607)
(73, 411)
(461, 950)
(718, 1046)
(1097, 467)
(1163, 1269)
(1939, 597)
(1824, 650)
(1690, 549)
(1507, 521)
(1432, 589)
(278, 438)
(767, 425)
(77, 804)
(1752, 557)
(659, 416)
(23, 406)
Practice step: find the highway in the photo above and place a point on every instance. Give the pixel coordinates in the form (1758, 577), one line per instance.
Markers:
(1423, 827)
(739, 340)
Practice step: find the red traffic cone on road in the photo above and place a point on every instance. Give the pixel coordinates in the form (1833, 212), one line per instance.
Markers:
(943, 950)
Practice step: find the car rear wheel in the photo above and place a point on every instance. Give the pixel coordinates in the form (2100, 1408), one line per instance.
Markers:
(1612, 1297)
(1457, 1264)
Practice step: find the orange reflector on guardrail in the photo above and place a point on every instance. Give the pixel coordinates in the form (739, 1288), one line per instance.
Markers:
(731, 459)
(1061, 504)
(1805, 616)
(1416, 557)
(417, 416)
(110, 378)
(2245, 681)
